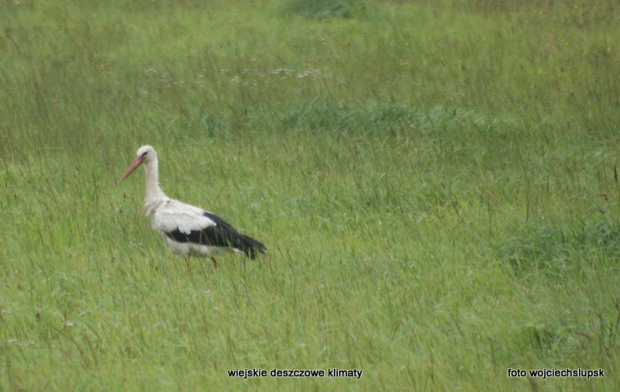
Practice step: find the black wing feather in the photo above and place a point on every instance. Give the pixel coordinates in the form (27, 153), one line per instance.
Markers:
(222, 234)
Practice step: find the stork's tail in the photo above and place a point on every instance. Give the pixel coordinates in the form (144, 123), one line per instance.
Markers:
(250, 247)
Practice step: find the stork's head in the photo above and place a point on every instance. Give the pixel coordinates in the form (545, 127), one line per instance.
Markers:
(146, 155)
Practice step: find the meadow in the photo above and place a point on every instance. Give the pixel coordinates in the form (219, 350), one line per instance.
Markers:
(436, 182)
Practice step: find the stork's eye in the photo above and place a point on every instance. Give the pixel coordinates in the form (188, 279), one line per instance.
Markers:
(143, 155)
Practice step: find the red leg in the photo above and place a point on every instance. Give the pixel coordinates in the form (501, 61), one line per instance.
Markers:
(214, 262)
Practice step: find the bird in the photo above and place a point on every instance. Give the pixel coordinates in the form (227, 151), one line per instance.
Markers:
(188, 230)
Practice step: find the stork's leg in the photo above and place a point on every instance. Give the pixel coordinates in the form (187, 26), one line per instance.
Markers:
(214, 262)
(187, 264)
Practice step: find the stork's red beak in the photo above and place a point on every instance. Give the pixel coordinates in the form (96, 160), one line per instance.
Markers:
(134, 165)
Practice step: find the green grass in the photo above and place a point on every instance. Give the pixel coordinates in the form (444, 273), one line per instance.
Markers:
(325, 9)
(436, 183)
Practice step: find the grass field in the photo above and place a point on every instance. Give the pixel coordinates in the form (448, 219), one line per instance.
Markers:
(436, 184)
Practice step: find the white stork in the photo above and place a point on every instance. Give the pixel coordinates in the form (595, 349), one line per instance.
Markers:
(189, 230)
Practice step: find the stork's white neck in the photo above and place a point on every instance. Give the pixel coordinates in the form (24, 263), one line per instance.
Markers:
(153, 195)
